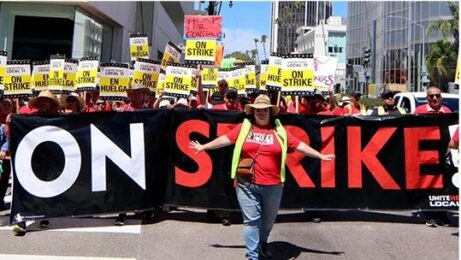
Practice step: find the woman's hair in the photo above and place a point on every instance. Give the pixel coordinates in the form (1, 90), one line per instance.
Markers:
(252, 119)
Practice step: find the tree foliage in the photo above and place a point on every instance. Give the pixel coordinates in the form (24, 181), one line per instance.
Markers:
(239, 55)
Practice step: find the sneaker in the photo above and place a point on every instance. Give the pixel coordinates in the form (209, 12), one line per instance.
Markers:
(20, 228)
(226, 222)
(120, 221)
(264, 251)
(44, 223)
(431, 223)
(316, 220)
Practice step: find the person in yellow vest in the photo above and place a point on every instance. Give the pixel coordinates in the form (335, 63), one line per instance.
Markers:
(263, 139)
(388, 107)
(355, 108)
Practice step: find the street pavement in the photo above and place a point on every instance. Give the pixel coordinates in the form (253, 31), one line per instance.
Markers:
(185, 234)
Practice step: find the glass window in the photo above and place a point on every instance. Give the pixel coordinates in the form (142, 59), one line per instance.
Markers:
(88, 36)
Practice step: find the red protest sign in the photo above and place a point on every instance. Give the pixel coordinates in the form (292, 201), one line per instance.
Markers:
(202, 26)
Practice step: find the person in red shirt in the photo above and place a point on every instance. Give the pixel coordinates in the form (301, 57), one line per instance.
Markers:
(259, 194)
(47, 104)
(138, 98)
(355, 108)
(454, 142)
(231, 100)
(434, 103)
(434, 106)
(6, 108)
(340, 109)
(217, 101)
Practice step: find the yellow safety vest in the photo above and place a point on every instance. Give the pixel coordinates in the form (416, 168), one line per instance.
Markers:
(281, 136)
(382, 112)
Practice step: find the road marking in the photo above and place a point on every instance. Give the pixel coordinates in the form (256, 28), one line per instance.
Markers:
(39, 257)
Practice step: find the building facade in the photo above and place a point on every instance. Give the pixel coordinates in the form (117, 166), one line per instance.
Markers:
(36, 30)
(395, 34)
(288, 16)
(328, 40)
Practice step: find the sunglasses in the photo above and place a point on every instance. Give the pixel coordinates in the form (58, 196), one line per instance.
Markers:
(388, 97)
(262, 110)
(434, 96)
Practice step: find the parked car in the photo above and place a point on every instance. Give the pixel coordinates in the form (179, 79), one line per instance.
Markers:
(410, 100)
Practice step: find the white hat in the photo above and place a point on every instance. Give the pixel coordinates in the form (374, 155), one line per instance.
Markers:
(344, 101)
(182, 101)
(164, 103)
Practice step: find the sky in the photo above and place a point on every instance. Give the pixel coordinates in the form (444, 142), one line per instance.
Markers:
(245, 21)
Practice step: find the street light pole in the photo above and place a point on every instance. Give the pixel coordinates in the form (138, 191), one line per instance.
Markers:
(423, 59)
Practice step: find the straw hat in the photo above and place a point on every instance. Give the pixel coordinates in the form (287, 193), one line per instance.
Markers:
(81, 103)
(44, 94)
(262, 101)
(137, 86)
(344, 100)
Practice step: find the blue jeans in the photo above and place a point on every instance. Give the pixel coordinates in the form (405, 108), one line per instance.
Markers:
(259, 205)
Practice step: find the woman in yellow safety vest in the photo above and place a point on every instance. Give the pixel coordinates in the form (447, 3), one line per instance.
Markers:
(263, 139)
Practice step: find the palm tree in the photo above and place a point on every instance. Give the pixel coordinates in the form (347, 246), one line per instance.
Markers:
(446, 27)
(442, 55)
(256, 49)
(254, 54)
(438, 62)
(263, 42)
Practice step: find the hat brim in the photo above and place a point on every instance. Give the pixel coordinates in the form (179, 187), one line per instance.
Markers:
(33, 102)
(249, 108)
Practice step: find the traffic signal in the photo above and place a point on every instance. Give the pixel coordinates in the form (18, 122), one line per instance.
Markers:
(366, 56)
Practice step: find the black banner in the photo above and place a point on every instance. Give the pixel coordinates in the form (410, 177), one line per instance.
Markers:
(111, 162)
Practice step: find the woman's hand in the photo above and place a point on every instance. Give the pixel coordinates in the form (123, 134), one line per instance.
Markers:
(197, 146)
(327, 157)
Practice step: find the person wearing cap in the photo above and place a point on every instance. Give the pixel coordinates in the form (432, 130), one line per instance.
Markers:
(231, 100)
(90, 99)
(181, 103)
(340, 109)
(388, 107)
(318, 105)
(192, 101)
(217, 101)
(434, 103)
(434, 106)
(73, 103)
(355, 108)
(263, 138)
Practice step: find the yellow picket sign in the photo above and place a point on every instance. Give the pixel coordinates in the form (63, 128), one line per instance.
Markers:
(139, 46)
(298, 80)
(3, 59)
(113, 86)
(87, 74)
(172, 54)
(209, 77)
(274, 76)
(263, 76)
(17, 79)
(69, 76)
(178, 81)
(457, 77)
(40, 75)
(201, 50)
(114, 81)
(56, 79)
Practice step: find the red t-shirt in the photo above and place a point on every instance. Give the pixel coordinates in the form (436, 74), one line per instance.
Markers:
(456, 136)
(267, 163)
(426, 109)
(355, 110)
